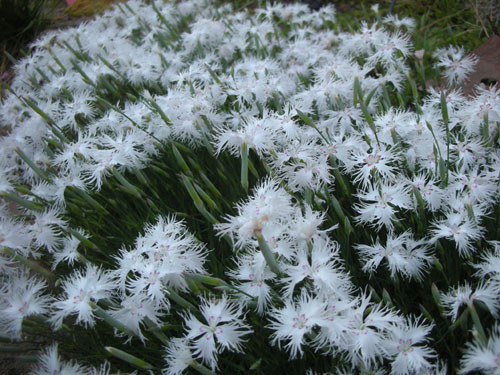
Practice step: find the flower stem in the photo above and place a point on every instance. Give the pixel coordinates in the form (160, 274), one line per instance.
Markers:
(266, 251)
(30, 264)
(244, 166)
(477, 323)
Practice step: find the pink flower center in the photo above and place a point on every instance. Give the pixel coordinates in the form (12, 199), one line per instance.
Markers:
(405, 346)
(371, 160)
(300, 322)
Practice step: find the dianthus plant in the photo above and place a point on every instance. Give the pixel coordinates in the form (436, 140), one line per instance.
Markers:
(185, 187)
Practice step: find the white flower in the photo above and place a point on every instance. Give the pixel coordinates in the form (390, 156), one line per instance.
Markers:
(321, 265)
(81, 104)
(295, 320)
(305, 227)
(402, 253)
(159, 259)
(311, 173)
(387, 50)
(407, 22)
(361, 42)
(487, 293)
(49, 363)
(103, 369)
(366, 336)
(78, 290)
(332, 335)
(429, 190)
(490, 265)
(126, 147)
(20, 297)
(457, 65)
(482, 186)
(69, 251)
(178, 356)
(403, 345)
(67, 159)
(223, 328)
(256, 133)
(467, 151)
(15, 235)
(381, 204)
(134, 309)
(252, 273)
(46, 228)
(484, 358)
(270, 205)
(369, 165)
(344, 117)
(393, 122)
(459, 228)
(303, 165)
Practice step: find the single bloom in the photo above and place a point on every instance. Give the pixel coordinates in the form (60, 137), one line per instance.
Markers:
(223, 328)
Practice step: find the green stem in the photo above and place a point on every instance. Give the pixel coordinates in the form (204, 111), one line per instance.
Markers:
(172, 294)
(244, 166)
(111, 321)
(201, 369)
(124, 356)
(30, 264)
(266, 251)
(477, 323)
(444, 110)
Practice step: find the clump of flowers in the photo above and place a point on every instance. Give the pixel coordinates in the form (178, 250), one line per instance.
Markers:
(199, 189)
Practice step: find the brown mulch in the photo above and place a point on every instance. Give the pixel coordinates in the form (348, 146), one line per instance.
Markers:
(488, 68)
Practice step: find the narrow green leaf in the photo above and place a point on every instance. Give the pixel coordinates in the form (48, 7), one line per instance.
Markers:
(426, 313)
(180, 160)
(204, 279)
(131, 189)
(29, 263)
(387, 298)
(477, 324)
(374, 295)
(124, 356)
(111, 321)
(256, 364)
(436, 296)
(36, 169)
(201, 369)
(174, 296)
(156, 331)
(24, 202)
(307, 120)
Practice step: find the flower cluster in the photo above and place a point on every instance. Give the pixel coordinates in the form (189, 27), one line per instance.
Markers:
(235, 189)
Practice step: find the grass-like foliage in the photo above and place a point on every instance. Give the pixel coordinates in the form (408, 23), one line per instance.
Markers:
(197, 189)
(21, 21)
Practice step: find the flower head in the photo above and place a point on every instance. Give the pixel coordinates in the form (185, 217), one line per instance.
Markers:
(49, 363)
(487, 293)
(295, 320)
(484, 358)
(459, 228)
(223, 328)
(269, 206)
(405, 345)
(21, 296)
(79, 289)
(457, 65)
(178, 356)
(381, 204)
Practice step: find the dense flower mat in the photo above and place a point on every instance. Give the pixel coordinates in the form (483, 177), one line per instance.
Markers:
(195, 189)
